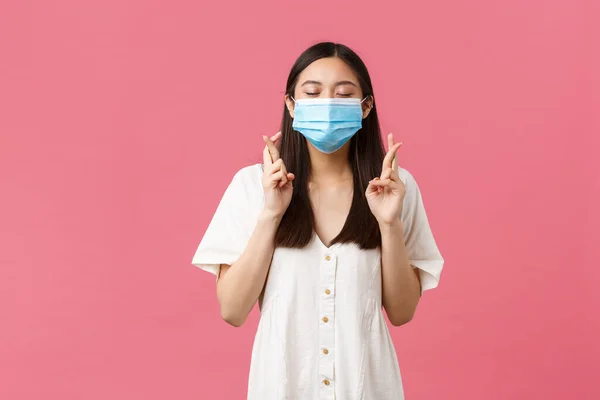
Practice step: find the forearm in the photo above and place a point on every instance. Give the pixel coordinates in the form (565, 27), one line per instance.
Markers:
(400, 284)
(240, 285)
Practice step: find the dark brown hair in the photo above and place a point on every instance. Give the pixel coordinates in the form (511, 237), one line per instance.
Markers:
(365, 156)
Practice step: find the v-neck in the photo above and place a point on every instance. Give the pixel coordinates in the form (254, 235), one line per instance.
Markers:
(321, 244)
(332, 246)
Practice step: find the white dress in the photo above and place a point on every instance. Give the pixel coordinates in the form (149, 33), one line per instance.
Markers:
(322, 333)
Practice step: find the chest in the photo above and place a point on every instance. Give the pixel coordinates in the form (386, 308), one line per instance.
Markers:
(331, 207)
(301, 276)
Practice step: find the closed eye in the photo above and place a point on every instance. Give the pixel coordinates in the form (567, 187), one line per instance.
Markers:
(339, 94)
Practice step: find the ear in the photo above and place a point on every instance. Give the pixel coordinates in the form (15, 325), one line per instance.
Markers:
(290, 104)
(367, 106)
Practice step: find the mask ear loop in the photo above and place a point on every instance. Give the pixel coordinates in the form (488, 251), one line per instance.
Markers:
(294, 100)
(367, 96)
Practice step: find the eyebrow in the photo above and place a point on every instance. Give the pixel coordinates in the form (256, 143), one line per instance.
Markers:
(339, 83)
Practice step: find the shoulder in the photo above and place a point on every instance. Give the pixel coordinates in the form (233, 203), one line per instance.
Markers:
(407, 178)
(247, 183)
(249, 175)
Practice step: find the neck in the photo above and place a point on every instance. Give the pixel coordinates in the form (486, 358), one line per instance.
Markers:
(333, 167)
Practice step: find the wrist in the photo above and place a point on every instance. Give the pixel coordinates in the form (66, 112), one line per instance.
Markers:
(270, 217)
(391, 227)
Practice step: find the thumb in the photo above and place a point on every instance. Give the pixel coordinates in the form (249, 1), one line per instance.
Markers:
(372, 188)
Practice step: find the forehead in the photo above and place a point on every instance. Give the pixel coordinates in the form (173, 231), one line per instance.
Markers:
(328, 71)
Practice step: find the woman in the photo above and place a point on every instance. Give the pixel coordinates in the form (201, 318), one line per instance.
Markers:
(324, 233)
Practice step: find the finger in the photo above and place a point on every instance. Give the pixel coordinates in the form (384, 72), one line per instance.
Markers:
(276, 166)
(290, 178)
(385, 174)
(395, 160)
(372, 188)
(284, 169)
(387, 170)
(272, 149)
(267, 156)
(276, 137)
(394, 176)
(284, 173)
(276, 177)
(389, 157)
(280, 166)
(390, 144)
(380, 182)
(387, 183)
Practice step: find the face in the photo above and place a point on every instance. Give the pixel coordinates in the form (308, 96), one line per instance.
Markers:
(328, 77)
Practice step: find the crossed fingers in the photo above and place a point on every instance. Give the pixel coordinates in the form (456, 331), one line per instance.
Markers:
(274, 165)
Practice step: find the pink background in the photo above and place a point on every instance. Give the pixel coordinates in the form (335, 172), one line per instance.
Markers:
(122, 122)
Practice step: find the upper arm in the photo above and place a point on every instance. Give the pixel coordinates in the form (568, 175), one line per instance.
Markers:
(232, 224)
(421, 246)
(418, 275)
(223, 268)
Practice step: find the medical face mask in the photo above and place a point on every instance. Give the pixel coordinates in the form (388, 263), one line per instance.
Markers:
(328, 123)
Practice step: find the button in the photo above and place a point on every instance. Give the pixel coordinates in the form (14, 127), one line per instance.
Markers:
(327, 292)
(326, 382)
(327, 258)
(325, 351)
(325, 319)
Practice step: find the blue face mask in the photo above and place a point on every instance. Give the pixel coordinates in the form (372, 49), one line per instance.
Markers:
(328, 123)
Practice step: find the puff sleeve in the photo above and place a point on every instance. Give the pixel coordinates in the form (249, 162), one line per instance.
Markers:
(422, 249)
(234, 221)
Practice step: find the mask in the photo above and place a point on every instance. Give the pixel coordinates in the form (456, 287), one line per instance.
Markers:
(328, 123)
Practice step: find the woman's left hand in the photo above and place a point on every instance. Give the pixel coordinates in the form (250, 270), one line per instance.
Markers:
(385, 194)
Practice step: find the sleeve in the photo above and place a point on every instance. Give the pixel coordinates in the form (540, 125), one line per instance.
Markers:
(232, 224)
(422, 249)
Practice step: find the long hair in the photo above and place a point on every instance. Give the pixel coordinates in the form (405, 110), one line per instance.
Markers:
(365, 156)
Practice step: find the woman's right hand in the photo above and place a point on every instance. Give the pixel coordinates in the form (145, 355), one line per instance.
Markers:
(277, 182)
